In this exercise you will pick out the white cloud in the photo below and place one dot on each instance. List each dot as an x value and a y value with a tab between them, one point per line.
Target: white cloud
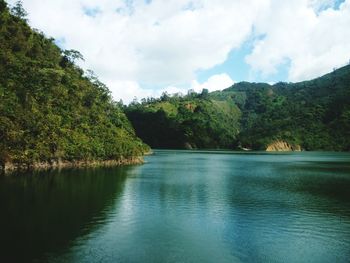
164	43
216	82
313	42
129	90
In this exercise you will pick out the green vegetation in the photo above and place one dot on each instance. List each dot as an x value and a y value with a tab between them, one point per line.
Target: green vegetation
193	121
50	110
313	114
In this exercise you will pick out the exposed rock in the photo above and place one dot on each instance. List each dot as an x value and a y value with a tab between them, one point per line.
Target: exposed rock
282	146
188	146
190	107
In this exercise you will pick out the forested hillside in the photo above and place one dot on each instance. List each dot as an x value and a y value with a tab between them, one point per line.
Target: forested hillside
50	110
194	121
314	115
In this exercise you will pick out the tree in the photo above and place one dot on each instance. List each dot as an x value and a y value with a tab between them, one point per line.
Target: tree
73	55
204	94
2	5
165	96
191	93
18	10
49	109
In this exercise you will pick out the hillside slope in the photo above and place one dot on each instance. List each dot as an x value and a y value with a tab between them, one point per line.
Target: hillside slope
314	114
311	115
50	111
190	122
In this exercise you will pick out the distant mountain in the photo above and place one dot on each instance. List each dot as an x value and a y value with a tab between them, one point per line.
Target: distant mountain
309	115
51	112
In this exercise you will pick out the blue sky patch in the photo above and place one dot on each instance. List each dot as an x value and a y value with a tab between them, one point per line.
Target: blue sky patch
236	67
61	42
92	12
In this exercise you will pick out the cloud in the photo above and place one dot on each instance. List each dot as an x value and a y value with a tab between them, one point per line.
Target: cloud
136	44
312	42
161	42
215	82
129	90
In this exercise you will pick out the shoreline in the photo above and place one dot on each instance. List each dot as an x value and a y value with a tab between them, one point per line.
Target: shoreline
9	168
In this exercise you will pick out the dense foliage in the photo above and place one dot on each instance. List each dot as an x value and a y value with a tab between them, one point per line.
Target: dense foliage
193	121
49	108
313	114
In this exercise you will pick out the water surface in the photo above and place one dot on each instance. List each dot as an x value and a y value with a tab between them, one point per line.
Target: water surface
183	206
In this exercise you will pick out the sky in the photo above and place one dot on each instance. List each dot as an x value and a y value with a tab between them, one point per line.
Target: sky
142	48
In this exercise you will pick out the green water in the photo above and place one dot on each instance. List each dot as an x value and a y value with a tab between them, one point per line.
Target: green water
183	206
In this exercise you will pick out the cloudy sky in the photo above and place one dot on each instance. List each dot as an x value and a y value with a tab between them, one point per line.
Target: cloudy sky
141	48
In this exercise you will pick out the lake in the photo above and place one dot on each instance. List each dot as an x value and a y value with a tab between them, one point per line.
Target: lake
183	206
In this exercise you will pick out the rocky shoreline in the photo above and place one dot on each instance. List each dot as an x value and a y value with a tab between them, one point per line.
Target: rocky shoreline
9	167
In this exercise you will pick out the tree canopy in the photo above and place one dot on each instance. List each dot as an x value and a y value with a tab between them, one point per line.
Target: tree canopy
49	108
313	114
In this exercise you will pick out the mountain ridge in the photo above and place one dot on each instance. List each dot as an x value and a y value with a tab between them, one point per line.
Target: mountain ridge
313	114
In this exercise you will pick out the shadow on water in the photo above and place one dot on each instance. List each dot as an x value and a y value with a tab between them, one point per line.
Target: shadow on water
302	202
262	173
321	179
43	213
322	186
329	179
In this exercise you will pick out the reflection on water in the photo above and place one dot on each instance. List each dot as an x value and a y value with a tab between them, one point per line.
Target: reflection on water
184	206
44	213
